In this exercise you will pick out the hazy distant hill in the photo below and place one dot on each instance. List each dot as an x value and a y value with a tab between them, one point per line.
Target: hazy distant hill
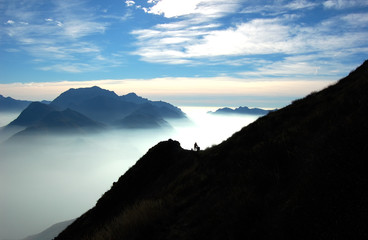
146	116
141	120
296	173
241	110
60	122
51	232
8	104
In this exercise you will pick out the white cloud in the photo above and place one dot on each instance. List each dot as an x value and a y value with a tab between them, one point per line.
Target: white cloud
309	67
183	40
77	28
12	50
278	7
256	37
356	19
129	3
300	4
341	4
60	24
205	8
10	22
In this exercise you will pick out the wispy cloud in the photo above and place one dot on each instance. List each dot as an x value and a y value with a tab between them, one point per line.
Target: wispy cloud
302	67
282	28
58	34
204	8
277	7
341	4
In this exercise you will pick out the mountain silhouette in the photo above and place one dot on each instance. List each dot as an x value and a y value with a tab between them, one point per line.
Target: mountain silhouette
32	114
134	98
166	110
96	103
82	109
296	173
8	104
241	110
74	97
107	107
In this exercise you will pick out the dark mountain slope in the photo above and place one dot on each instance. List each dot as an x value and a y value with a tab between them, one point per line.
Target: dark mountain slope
33	113
67	119
94	102
297	173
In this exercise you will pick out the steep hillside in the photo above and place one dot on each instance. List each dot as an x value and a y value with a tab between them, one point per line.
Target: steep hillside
297	173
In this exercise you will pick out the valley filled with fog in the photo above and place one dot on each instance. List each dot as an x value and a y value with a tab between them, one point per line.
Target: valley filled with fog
45	180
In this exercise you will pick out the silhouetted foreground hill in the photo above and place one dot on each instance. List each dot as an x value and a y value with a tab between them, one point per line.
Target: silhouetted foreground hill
297	173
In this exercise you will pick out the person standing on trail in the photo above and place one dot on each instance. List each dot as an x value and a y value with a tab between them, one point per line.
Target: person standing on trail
196	147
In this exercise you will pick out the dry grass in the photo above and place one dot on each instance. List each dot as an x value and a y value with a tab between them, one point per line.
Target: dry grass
134	222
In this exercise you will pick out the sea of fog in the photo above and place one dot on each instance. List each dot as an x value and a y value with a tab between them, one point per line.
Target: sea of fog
50	180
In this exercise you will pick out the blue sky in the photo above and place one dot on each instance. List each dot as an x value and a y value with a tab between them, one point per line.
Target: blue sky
293	46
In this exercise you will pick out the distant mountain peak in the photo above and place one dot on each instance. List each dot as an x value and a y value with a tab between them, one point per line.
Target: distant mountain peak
134	98
75	96
132	94
33	113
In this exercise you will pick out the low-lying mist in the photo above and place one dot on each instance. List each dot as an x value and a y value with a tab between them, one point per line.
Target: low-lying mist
50	179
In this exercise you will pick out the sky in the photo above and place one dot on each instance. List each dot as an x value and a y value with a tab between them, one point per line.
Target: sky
192	52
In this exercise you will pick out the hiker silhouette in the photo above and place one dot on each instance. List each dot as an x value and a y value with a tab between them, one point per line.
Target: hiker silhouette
196	147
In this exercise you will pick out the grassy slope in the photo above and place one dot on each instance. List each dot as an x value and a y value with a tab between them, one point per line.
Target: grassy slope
297	173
